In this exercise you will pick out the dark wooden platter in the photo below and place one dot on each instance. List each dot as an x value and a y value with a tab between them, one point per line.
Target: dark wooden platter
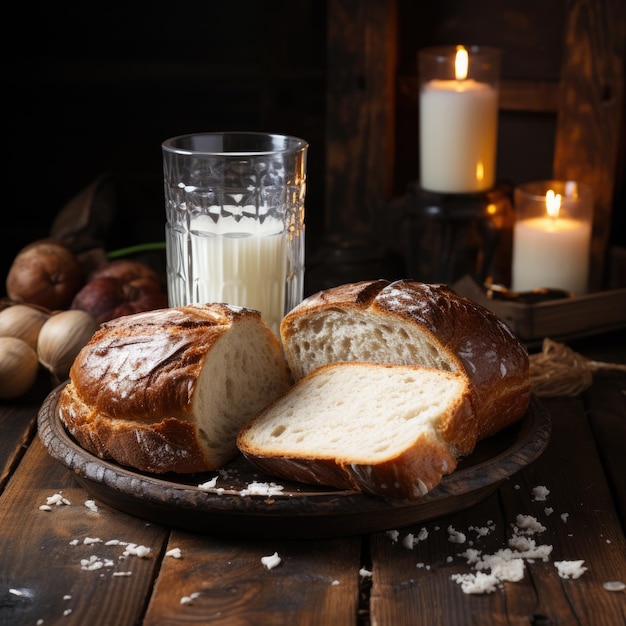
297	511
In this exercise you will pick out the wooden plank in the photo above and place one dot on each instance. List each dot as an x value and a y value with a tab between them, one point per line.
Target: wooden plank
589	126
224	580
360	114
41	576
18	423
405	581
606	402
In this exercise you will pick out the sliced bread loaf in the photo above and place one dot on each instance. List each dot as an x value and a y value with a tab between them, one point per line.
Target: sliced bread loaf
386	430
168	390
412	323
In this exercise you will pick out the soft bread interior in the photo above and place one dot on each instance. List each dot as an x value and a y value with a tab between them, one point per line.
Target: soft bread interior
354	413
242	373
334	335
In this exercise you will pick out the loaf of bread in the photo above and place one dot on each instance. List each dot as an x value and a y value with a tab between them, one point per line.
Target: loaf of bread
168	390
386	430
412	323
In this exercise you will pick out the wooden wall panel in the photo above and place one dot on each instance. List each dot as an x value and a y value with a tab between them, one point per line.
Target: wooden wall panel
360	113
589	130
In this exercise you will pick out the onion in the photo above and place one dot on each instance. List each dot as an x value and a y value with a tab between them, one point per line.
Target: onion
61	338
18	367
22	321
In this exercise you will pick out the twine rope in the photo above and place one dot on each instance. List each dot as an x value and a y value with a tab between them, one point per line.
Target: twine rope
559	371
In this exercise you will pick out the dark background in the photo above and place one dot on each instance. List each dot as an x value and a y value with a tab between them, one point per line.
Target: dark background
96	90
93	89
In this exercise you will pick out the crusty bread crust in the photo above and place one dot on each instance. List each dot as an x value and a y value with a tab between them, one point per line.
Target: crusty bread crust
406	477
461	335
135	389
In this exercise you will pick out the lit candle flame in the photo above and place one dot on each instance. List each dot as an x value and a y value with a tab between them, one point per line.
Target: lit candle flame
553	203
461	63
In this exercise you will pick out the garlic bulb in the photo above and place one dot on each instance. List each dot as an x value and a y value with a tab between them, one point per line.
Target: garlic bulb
61	339
18	367
22	321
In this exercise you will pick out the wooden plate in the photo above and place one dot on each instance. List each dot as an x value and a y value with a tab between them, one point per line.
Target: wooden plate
298	511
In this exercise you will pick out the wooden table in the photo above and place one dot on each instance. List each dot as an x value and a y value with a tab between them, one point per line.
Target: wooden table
66	565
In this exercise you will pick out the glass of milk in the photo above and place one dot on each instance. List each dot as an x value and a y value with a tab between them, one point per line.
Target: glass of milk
234	205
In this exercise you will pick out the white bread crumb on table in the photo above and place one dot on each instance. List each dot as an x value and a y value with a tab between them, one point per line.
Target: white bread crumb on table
190	598
57	499
570	569
174	553
614	585
540	493
91	505
271	561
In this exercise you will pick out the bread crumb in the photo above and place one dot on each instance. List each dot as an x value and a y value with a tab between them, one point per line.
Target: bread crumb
134	550
393	535
476	583
174	553
410	540
190	598
548	511
540	493
45	507
455	536
335	583
528	524
483	531
262	489
271	561
422	535
122	573
570	569
57	499
89	540
365	573
95	563
209	484
564	517
614	585
92	506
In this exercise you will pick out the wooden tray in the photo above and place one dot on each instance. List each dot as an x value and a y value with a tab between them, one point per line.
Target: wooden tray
560	319
299	511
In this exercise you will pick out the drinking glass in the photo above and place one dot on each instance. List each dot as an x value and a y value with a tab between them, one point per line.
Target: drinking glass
235	220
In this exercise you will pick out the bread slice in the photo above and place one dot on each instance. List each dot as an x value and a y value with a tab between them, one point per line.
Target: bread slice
390	431
411	323
168	390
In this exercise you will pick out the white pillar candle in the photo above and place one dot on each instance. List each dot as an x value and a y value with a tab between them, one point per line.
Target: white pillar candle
551	238
458	127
